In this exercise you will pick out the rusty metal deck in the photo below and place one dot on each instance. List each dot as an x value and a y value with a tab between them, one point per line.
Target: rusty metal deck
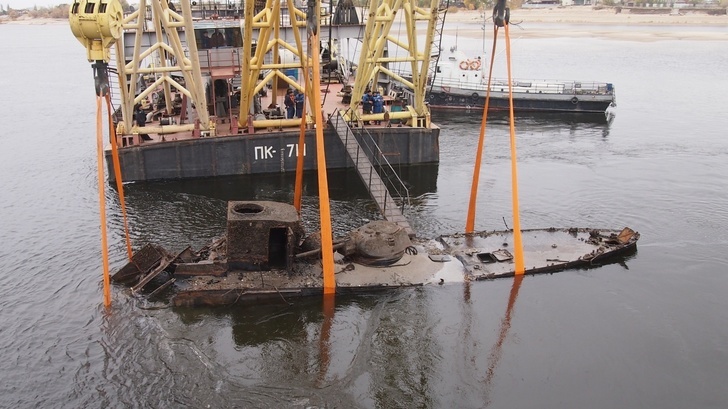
449	259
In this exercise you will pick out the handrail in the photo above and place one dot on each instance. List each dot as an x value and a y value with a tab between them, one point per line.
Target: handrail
220	57
567	87
377	158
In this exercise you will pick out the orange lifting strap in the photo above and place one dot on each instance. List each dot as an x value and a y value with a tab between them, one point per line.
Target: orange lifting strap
102	190
470	221
117	173
102	202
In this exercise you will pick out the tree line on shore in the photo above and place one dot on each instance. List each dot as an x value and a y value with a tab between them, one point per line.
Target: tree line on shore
60	11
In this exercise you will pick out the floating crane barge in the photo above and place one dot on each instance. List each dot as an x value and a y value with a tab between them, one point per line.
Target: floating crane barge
195	131
178	83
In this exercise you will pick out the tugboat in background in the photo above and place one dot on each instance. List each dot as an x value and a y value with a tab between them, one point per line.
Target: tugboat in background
460	82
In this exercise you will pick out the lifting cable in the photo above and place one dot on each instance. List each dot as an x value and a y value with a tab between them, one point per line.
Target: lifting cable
470	222
500	19
102	202
331	54
517	242
301	147
117	174
101	186
327	252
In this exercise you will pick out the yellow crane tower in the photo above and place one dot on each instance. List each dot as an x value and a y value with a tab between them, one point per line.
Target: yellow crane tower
377	37
167	39
267	22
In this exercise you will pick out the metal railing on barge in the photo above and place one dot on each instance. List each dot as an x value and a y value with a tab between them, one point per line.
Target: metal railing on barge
375	171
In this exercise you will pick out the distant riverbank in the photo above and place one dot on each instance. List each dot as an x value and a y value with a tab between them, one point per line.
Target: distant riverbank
581	21
589	15
25	20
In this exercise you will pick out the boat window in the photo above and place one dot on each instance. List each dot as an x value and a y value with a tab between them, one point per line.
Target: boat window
209	38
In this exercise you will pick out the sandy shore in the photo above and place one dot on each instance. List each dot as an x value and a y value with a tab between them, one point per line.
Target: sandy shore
582	21
588	15
585	21
33	21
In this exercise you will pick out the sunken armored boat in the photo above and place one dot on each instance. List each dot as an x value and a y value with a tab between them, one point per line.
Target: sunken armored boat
265	256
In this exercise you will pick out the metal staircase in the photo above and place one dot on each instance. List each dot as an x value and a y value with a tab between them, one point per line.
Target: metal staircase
360	151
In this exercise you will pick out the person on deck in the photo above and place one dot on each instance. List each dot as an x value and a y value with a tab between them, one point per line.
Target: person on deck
366	104
140	117
205	40
378	103
290	104
299	99
398	106
218	39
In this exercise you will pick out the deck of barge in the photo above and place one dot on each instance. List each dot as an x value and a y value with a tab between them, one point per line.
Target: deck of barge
270	150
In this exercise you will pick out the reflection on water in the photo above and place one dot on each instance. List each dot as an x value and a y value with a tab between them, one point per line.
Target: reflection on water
358	350
329	310
344	184
527	119
193	211
497	350
650	336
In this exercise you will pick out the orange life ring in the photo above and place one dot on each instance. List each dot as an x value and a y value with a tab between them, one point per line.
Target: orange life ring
464	65
475	65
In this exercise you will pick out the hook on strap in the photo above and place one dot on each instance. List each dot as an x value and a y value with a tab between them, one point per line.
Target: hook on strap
501	13
101	77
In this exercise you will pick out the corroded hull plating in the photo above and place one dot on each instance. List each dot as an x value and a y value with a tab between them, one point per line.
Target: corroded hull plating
206	278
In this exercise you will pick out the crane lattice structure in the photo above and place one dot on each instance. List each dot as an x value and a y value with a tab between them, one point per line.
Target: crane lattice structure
373	61
173	49
169	55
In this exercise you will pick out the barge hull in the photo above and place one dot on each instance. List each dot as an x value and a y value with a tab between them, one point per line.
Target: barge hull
521	103
265	152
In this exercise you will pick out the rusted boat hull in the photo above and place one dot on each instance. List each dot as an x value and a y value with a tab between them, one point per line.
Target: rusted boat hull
208	278
488	255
